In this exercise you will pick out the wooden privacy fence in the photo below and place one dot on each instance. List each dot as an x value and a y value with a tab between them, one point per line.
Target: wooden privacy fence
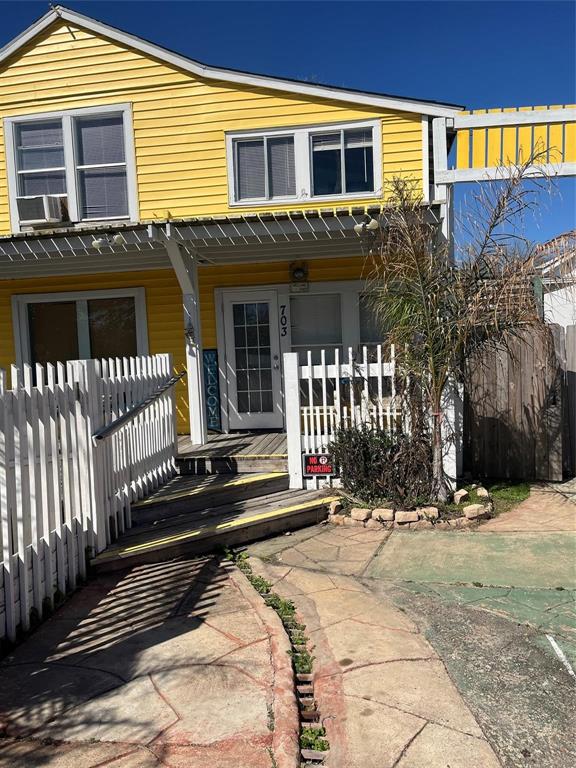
515	411
323	397
78	444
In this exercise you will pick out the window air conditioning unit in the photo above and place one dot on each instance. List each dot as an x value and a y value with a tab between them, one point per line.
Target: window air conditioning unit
40	209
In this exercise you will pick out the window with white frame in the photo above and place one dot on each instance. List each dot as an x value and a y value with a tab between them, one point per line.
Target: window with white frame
265	168
304	163
83	156
59	327
342	162
316	324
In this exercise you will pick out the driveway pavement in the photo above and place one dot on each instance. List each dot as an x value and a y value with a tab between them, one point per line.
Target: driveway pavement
433	648
177	664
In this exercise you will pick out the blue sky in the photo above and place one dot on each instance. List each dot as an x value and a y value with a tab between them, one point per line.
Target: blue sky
479	54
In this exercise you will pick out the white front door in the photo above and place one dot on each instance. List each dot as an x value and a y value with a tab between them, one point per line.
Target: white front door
253	370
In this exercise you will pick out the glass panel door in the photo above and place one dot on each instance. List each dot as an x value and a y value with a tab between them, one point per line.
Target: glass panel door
53	332
253	360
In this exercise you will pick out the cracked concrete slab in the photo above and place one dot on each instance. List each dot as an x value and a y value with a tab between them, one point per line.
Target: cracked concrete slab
377	681
176	663
439	747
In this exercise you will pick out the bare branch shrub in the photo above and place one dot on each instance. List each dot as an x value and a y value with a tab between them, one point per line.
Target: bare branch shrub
441	313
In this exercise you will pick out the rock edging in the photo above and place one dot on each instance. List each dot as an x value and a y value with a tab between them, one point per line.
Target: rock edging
421	518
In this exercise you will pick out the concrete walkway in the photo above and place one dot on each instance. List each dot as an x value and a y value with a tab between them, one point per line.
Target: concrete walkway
177	664
547	509
382	690
432	648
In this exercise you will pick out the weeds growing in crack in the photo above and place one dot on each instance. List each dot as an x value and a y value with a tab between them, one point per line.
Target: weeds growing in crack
271	719
314	738
302	659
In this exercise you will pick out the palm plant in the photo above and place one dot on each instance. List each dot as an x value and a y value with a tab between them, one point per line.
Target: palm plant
441	311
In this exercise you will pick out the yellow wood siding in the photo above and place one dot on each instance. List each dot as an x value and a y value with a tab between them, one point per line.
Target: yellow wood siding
230	275
164	302
179	120
163	308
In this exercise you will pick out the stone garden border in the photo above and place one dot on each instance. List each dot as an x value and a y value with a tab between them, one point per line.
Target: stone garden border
421	518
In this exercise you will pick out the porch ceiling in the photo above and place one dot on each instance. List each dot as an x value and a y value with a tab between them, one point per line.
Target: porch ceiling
226	239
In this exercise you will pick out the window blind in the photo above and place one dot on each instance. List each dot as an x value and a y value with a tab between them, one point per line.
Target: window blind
281	174
40	158
103	193
100	140
250	169
102	182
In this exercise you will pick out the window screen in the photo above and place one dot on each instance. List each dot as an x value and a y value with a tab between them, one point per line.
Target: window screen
327	164
370	331
265	168
94	328
316	324
40	158
101	159
250	169
342	162
282	182
53	332
112	327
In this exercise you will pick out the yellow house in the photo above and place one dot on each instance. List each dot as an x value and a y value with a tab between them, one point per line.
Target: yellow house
150	203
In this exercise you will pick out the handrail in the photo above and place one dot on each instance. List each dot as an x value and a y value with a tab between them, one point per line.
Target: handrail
115	425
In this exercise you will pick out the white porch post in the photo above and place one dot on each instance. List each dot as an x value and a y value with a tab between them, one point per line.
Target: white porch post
452	432
293	425
186	270
443	192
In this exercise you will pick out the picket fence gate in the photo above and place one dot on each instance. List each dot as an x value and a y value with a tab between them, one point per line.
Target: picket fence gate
79	443
326	396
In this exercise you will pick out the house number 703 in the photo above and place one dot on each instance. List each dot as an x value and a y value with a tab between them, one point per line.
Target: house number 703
283	320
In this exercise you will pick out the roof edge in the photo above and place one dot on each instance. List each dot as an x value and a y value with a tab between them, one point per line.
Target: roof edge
397	103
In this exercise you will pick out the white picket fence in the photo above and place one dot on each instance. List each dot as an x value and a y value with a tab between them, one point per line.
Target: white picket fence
322	397
78	444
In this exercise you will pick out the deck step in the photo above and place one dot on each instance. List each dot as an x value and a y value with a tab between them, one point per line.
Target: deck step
191	493
215	526
234	464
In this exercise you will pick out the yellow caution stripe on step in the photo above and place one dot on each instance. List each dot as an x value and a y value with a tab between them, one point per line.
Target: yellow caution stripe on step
179	537
208	488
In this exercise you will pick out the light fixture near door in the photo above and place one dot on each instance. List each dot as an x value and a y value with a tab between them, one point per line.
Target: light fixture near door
298	276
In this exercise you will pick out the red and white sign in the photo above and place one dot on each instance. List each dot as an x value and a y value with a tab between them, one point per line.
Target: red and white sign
315	464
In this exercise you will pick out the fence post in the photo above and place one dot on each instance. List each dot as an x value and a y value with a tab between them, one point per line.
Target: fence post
87	376
293	423
452	430
5	515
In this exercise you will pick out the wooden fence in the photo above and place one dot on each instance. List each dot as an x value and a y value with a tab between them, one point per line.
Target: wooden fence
516	412
78	444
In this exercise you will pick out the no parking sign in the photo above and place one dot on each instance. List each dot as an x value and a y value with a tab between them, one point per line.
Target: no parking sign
315	464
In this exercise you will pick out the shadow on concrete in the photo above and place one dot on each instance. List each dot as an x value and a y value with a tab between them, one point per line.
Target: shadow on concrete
115	632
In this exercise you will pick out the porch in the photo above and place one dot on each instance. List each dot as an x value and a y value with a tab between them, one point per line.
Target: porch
239	445
192	288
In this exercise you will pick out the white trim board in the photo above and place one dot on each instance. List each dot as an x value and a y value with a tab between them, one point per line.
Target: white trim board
218	73
21	328
448	176
528	117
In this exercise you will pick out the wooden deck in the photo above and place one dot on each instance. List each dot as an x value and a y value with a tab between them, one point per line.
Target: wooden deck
247	445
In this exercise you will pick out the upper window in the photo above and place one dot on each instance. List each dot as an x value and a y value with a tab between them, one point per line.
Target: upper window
342	162
265	168
80	156
304	163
